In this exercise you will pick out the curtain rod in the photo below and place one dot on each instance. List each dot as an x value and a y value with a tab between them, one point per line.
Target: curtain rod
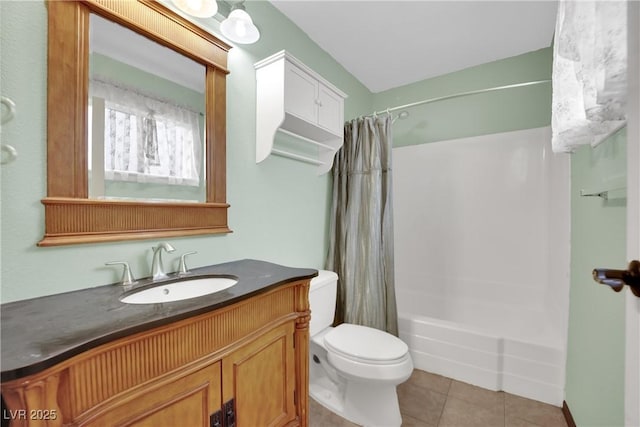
457	95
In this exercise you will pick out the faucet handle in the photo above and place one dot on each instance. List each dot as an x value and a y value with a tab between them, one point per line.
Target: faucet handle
127	278
182	269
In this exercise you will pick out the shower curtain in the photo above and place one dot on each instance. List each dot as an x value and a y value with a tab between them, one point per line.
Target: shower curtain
361	228
589	73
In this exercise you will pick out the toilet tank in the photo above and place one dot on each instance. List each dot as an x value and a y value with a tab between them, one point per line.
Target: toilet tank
322	300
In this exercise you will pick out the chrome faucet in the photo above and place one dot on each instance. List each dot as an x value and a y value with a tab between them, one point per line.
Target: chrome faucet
157	269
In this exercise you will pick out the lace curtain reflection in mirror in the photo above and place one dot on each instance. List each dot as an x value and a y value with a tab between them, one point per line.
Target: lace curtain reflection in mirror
145	119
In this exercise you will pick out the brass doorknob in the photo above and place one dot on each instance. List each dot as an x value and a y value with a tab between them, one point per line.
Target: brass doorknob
616	279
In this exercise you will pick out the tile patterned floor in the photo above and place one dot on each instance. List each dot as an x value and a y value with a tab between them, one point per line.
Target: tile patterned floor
428	400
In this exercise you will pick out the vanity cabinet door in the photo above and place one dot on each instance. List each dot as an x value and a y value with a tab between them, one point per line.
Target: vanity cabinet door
260	376
181	399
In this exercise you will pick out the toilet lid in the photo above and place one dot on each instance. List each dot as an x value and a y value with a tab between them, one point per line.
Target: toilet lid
364	343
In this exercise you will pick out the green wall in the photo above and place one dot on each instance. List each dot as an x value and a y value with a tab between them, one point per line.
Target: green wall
481	114
595	354
278	208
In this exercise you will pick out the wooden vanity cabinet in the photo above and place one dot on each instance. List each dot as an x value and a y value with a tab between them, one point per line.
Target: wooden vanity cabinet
183	399
260	377
242	365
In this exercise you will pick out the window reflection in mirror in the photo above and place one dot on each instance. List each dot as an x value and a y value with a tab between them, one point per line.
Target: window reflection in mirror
146	118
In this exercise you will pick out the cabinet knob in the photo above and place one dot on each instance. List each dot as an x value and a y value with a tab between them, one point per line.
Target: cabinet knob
616	279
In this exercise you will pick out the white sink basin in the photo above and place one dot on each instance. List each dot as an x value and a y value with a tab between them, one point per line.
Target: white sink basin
177	291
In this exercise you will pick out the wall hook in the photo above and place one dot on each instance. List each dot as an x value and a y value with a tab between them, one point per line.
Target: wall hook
10	110
9	154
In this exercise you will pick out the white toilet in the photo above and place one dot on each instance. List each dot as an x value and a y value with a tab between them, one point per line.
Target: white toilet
353	370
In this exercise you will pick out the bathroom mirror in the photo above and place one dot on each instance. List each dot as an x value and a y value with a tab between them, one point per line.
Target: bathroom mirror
145	119
71	215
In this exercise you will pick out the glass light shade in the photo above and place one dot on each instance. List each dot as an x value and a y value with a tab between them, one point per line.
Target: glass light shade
197	8
239	28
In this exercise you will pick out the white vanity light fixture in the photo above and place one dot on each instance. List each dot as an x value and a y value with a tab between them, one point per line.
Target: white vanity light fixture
197	8
238	27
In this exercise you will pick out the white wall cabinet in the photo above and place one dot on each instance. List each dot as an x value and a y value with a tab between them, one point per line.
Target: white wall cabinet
298	113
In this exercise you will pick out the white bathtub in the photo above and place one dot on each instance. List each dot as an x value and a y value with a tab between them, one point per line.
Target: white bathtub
482	260
488	345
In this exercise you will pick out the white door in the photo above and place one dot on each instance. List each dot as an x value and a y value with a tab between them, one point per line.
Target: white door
632	356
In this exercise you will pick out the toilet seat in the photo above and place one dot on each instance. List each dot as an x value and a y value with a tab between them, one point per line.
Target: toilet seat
365	345
367	354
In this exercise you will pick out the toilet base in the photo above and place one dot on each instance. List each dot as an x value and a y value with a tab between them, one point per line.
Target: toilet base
365	406
364	403
326	392
372	406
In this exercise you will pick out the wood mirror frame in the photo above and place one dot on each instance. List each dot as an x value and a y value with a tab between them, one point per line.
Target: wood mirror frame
70	216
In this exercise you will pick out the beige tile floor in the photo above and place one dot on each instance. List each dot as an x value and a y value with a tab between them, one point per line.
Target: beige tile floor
428	400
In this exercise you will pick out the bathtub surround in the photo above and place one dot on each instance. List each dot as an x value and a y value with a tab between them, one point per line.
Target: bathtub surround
482	255
361	231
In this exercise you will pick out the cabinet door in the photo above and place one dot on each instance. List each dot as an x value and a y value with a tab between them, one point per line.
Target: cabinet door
180	400
331	110
261	378
300	93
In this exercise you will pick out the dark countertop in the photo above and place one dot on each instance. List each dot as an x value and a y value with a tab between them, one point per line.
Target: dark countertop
41	332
